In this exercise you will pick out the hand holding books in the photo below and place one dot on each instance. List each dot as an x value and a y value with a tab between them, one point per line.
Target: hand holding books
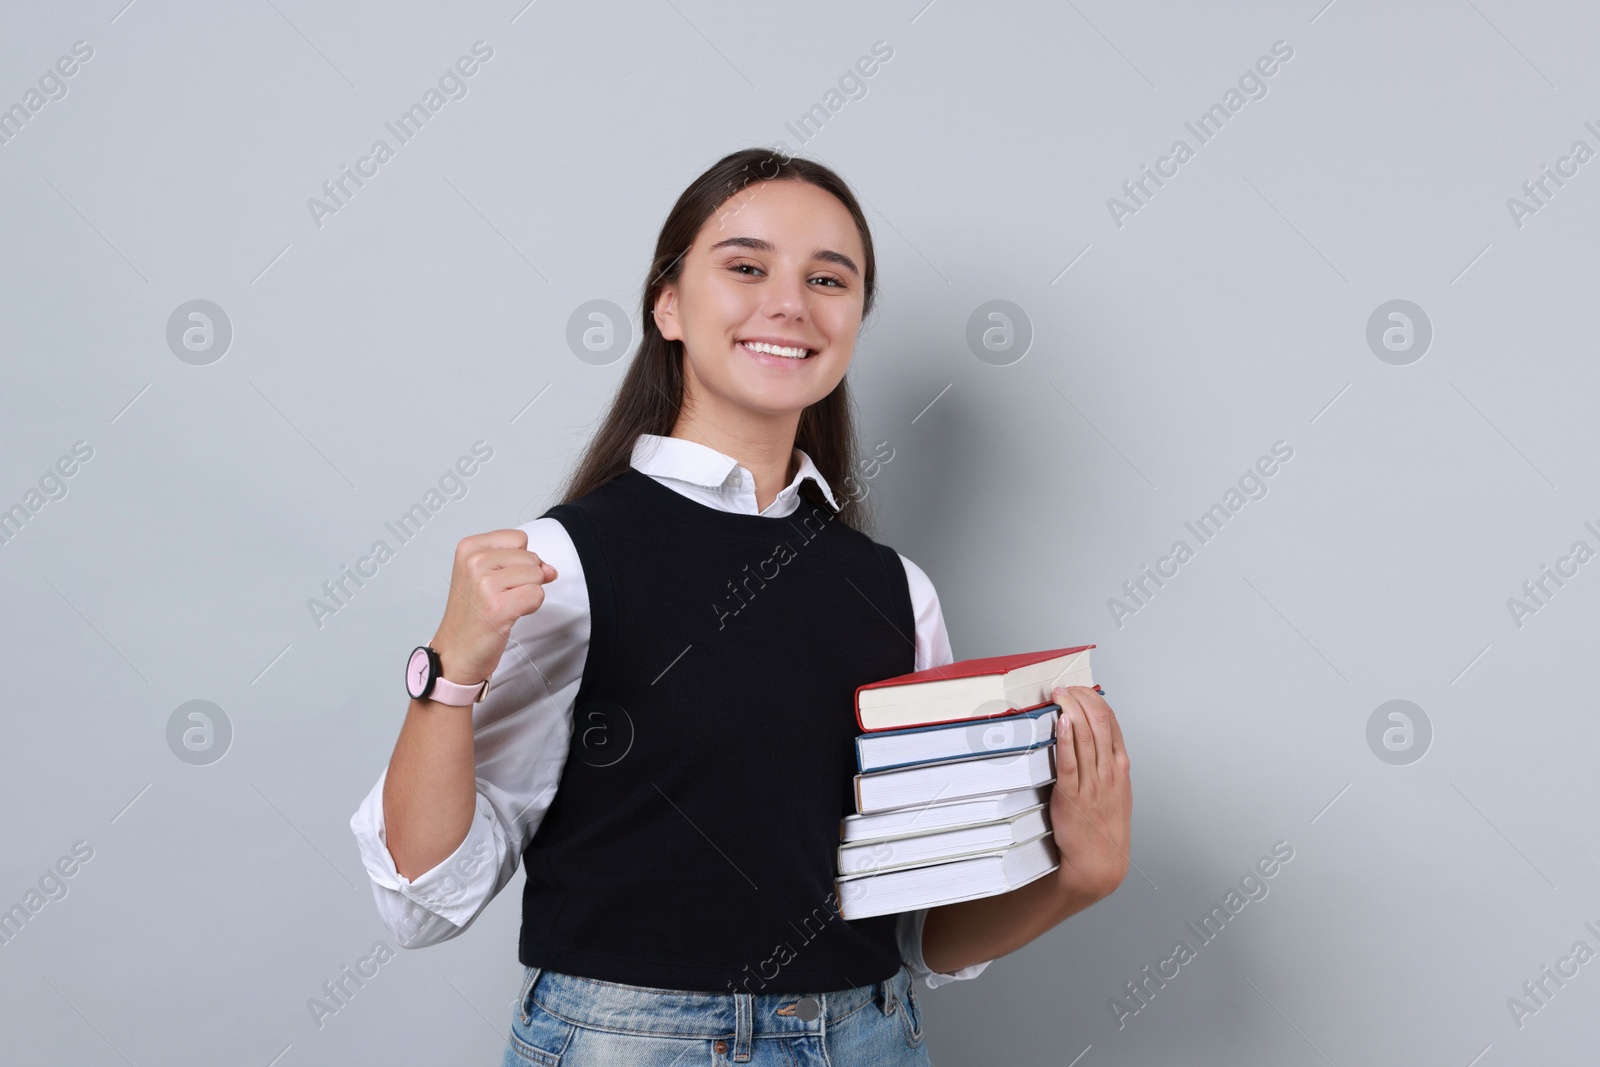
1091	803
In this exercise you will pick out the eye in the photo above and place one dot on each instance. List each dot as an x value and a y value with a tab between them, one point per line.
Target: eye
833	283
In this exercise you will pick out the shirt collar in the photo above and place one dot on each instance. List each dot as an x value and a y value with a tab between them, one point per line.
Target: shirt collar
691	461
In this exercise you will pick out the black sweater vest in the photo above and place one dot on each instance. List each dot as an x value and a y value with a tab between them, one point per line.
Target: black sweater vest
691	844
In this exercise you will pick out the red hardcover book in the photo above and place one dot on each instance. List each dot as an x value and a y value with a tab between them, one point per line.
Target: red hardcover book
970	688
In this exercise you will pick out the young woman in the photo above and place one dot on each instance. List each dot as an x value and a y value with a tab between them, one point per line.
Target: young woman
666	739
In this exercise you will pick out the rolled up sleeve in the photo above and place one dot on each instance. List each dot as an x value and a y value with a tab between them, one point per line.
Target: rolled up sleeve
909	934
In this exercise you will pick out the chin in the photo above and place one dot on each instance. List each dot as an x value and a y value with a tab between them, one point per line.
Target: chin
773	398
776	405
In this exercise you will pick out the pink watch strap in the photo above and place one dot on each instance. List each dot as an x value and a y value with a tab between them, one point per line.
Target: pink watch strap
448	692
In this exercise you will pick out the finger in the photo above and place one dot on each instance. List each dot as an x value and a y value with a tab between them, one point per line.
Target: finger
1081	741
1097	704
1072	704
1066	757
495	558
1119	747
1098	712
511	577
494	539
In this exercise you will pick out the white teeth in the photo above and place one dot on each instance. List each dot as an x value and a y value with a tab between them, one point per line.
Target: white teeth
776	350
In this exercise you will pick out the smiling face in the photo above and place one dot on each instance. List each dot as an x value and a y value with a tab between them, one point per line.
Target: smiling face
777	267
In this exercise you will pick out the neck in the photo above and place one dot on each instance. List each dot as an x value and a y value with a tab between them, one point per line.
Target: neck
762	444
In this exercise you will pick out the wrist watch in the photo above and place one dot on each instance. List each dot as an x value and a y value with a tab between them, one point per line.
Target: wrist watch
424	681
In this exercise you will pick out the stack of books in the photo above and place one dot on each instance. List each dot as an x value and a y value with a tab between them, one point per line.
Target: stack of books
953	796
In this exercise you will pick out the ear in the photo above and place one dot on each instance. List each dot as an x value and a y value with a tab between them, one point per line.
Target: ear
666	314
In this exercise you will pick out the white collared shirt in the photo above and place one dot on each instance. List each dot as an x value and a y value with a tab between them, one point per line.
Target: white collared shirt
522	729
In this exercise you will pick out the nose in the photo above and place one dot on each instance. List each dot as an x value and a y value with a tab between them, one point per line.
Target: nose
785	295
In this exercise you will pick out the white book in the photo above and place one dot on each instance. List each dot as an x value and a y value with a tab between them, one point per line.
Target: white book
986	736
948	779
908	889
922	849
941	815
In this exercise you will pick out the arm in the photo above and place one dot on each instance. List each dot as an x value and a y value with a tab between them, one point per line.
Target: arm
1091	807
956	935
428	792
515	743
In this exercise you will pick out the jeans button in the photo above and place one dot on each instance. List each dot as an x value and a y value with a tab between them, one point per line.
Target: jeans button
722	1046
807	1008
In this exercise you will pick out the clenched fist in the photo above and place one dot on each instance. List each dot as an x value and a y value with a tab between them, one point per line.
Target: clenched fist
495	582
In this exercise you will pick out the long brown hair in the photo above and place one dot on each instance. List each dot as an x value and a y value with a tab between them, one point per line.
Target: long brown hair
651	394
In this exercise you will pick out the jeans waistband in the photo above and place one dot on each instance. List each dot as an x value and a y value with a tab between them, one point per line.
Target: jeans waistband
739	1017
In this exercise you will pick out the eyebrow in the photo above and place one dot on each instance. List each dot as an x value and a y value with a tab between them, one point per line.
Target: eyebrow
760	245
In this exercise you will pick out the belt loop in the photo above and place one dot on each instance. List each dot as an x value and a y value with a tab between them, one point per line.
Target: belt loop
744	1013
530	978
884	995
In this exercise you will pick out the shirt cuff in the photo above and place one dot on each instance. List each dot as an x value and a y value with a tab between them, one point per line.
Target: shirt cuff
458	886
909	933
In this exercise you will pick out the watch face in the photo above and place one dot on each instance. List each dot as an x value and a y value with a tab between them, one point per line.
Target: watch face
417	673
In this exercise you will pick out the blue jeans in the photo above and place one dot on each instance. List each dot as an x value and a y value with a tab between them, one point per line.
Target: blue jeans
562	1020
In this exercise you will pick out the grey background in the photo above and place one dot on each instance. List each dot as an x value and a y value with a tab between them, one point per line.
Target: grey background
1228	314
